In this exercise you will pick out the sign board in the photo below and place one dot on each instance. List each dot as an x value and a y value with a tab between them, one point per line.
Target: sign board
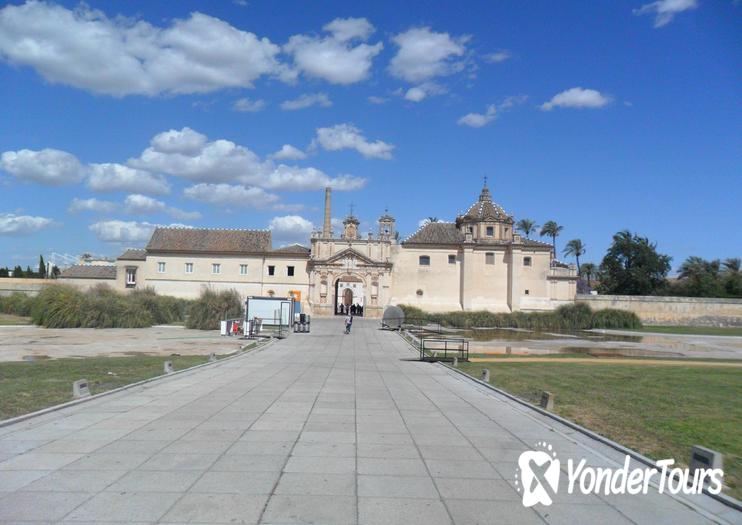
271	310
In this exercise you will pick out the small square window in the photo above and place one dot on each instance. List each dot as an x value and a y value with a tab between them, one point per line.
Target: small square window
271	270
216	268
188	267
290	271
528	292
160	267
489	258
527	261
490	231
451	259
243	269
425	260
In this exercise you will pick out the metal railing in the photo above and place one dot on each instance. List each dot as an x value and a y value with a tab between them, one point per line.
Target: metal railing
444	348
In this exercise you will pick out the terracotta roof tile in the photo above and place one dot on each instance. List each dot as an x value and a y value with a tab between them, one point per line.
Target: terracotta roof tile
133	254
89	271
205	240
436	233
293	248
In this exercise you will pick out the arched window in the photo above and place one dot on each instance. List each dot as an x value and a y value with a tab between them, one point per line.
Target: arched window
425	260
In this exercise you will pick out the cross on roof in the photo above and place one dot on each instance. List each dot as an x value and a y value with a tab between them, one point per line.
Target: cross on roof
351	209
485	180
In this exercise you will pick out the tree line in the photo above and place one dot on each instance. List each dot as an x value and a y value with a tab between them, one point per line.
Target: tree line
633	266
41	273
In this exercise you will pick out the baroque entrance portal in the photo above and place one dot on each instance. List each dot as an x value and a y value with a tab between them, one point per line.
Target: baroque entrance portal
349	295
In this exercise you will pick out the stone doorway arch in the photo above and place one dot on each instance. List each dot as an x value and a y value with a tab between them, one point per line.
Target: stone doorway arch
349	295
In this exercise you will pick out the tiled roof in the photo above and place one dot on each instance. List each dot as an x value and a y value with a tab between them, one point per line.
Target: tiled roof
195	240
133	254
89	271
436	233
293	249
536	244
485	209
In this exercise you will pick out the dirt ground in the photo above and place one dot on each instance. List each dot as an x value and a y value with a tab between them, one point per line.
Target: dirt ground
28	342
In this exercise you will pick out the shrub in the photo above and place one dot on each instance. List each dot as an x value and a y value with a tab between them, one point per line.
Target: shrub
163	309
16	304
211	307
615	319
59	306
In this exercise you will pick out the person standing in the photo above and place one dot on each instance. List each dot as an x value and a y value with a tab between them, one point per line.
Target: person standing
348	322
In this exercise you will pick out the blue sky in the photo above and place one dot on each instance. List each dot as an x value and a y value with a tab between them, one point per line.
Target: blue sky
118	116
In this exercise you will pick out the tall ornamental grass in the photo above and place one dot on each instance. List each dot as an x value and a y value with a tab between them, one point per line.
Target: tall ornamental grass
567	317
211	307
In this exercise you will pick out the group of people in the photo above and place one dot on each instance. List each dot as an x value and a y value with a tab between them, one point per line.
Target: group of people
352	309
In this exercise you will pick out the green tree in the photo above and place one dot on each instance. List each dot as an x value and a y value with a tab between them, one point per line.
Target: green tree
576	249
732	277
55	271
589	270
527	226
18	271
42	267
632	266
4	272
698	277
552	229
29	272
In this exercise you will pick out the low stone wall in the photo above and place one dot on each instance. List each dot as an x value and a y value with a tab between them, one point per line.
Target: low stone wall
691	311
10	285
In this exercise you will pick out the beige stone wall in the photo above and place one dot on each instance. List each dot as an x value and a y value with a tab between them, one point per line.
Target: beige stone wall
87	284
693	311
11	285
440	282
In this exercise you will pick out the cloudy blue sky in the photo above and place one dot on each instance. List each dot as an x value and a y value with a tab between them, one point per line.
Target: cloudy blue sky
118	116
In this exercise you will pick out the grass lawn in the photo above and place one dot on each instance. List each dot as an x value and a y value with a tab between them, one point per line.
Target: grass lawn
692	330
32	385
659	411
13	320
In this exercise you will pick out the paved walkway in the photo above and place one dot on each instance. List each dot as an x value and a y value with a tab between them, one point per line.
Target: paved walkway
318	428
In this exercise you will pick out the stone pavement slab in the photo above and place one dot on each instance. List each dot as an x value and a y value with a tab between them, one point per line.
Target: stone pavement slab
319	428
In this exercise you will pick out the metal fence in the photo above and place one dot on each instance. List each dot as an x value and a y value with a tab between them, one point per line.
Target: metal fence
443	348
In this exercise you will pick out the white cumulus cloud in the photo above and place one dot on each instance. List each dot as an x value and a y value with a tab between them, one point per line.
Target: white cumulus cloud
424	54
477	120
347	136
665	10
290	228
112	177
498	56
231	195
579	98
50	167
12	224
289	152
246	105
339	57
121	56
306	101
122	231
94	205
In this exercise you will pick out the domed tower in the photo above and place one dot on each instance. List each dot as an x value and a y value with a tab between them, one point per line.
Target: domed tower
486	221
387	226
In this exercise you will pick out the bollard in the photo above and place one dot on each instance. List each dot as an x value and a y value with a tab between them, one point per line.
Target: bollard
80	388
212	357
168	367
486	375
547	401
704	458
455	361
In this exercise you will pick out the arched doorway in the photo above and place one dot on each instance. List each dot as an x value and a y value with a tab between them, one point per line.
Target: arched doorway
349	295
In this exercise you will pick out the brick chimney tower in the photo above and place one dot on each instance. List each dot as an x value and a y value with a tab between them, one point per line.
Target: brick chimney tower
327	226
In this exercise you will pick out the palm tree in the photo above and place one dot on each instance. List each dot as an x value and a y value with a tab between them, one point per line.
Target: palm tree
432	219
576	248
527	226
552	229
732	266
589	270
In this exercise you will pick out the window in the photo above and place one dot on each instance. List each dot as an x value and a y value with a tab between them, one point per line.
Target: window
490	231
160	267
216	268
527	261
452	259
425	260
131	277
489	258
290	271
271	270
188	267
243	269
528	292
